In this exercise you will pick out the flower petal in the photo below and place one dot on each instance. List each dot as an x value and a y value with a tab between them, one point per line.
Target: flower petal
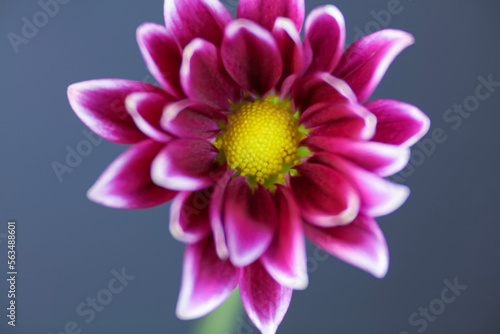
321	87
381	159
127	184
189	19
379	196
265	12
187	164
216	209
325	197
365	62
100	104
250	221
207	281
343	119
285	260
325	38
189	219
360	243
398	123
146	110
251	57
162	56
265	300
204	77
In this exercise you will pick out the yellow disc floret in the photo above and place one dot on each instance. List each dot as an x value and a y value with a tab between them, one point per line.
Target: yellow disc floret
261	140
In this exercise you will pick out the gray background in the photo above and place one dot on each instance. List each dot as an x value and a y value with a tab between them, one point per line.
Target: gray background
67	245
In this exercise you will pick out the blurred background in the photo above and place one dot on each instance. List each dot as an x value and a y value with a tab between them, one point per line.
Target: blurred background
70	249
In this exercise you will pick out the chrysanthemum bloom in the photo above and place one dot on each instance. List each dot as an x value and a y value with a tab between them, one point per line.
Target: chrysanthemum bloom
260	139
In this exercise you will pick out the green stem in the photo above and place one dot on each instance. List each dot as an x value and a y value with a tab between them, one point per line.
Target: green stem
224	319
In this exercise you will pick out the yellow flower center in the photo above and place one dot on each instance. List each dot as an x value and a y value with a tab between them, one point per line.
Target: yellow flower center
261	140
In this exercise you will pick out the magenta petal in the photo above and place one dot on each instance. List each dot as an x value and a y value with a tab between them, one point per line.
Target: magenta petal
325	37
204	77
321	87
250	221
265	300
100	104
381	159
207	281
189	19
325	197
344	119
162	56
365	62
146	110
360	243
266	12
379	196
285	260
189	219
251	57
127	184
398	123
216	209
187	164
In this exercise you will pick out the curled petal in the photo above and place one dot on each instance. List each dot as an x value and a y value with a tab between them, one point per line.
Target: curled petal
398	123
365	62
127	184
250	221
100	104
265	300
325	38
321	87
360	243
189	219
146	110
381	159
162	56
204	77
187	164
265	12
378	196
207	281
324	195
251	57
216	209
285	260
189	19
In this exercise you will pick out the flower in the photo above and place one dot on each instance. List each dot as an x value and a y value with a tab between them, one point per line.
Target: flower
260	139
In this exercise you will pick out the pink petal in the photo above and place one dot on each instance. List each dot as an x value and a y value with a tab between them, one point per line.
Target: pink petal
162	56
187	164
378	196
187	119
204	77
325	37
189	219
189	19
251	57
207	281
398	123
265	12
250	221
285	260
216	209
146	110
365	62
127	184
379	158
321	87
265	300
100	104
325	197
360	243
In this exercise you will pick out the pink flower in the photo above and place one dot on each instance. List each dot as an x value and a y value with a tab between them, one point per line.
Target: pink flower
260	139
